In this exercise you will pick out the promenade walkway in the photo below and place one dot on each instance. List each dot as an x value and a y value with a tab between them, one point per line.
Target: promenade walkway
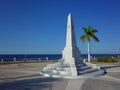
26	76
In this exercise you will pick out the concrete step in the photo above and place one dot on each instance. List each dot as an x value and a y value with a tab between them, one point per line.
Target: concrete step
64	72
67	69
54	71
59	68
96	73
80	65
83	68
87	71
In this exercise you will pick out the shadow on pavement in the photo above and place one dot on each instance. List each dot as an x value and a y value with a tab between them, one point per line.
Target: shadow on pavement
29	84
112	66
108	67
20	77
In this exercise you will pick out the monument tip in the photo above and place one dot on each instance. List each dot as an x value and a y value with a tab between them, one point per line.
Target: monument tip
70	14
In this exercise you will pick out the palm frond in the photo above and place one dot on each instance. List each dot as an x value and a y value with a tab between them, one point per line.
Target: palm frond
85	30
83	37
95	38
89	28
94	30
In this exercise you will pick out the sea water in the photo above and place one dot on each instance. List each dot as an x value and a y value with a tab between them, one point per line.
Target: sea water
19	57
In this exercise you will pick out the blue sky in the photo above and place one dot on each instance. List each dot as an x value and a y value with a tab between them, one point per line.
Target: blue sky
39	26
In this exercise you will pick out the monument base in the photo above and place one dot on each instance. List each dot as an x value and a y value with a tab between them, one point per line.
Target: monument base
60	70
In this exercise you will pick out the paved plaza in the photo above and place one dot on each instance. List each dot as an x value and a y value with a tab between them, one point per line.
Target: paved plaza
25	76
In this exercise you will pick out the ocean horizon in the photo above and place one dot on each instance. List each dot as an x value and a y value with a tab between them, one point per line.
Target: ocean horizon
20	57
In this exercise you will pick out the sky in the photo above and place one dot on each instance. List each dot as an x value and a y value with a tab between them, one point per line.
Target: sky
39	26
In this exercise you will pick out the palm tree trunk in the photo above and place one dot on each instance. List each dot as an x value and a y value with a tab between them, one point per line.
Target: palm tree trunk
88	51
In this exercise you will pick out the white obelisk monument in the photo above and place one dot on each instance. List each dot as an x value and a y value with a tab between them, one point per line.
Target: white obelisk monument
71	53
71	65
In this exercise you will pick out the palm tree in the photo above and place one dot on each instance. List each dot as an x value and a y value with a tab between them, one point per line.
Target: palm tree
89	33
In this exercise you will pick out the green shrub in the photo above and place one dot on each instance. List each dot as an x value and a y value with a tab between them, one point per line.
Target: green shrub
106	59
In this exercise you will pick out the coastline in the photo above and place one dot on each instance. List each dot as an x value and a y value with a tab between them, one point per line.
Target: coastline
23	57
27	61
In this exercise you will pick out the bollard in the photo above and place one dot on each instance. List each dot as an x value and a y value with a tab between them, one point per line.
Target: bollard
84	60
14	59
112	57
91	57
118	56
2	60
39	59
46	58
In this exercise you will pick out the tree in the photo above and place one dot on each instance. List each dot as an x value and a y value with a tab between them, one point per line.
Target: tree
89	33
